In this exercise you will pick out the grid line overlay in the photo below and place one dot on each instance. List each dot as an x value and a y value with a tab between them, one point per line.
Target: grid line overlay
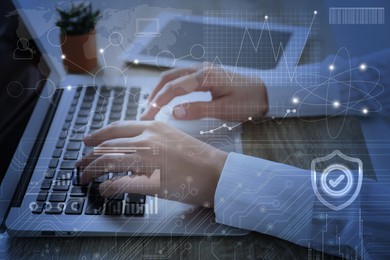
218	41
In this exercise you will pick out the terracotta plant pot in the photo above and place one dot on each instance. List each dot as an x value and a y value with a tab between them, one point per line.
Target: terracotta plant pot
80	52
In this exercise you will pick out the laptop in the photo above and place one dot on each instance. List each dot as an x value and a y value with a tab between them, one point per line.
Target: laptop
40	194
152	25
41	191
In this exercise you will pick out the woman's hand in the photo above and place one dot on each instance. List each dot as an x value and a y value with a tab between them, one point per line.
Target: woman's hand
234	97
166	162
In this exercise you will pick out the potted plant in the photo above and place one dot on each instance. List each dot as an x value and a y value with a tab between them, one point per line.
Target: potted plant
78	37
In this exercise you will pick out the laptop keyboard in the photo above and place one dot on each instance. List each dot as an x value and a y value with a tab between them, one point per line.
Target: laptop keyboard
61	191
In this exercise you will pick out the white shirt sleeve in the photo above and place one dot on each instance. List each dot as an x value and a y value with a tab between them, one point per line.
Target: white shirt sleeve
264	196
278	200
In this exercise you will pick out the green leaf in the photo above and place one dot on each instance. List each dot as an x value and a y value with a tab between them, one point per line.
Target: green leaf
79	19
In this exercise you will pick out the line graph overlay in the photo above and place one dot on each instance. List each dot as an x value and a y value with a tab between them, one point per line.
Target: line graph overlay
234	125
214	40
235	60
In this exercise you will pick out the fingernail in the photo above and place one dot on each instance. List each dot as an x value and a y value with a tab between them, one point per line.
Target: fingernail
179	112
104	188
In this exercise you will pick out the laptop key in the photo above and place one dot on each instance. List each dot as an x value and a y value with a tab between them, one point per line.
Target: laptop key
75	206
76	137
60	144
66	126
88	97
72	109
79	191
102	109
117	197
57	197
87	149
130	117
118	101
131	112
94	190
38	207
132	105
71	155
69	118
98	117
54	208
49	174
90	90
96	126
82	121
113	207
63	134
80	130
135	90
112	121
94	205
64	175
101	102
86	105
84	112
101	179
53	163
68	165
97	123
45	184
76	181
135	198
134	209
74	146
115	115
57	153
116	108
42	196
105	92
61	185
77	94
119	90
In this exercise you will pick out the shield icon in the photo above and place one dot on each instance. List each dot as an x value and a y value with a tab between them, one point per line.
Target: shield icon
324	186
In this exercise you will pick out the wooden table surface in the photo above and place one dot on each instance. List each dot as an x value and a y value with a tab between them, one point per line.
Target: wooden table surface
292	141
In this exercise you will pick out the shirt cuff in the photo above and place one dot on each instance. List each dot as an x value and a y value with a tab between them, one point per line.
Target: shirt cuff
266	197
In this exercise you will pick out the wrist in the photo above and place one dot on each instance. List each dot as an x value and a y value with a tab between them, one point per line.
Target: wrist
220	159
218	164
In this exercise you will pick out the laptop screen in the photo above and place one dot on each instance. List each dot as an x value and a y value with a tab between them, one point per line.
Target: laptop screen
256	49
16	111
21	84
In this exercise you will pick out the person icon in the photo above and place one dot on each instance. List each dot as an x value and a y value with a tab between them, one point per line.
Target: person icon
23	50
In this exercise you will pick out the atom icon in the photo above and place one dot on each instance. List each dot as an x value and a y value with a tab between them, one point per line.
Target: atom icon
356	93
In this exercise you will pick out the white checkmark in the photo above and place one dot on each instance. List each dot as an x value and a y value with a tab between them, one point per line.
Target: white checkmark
336	182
